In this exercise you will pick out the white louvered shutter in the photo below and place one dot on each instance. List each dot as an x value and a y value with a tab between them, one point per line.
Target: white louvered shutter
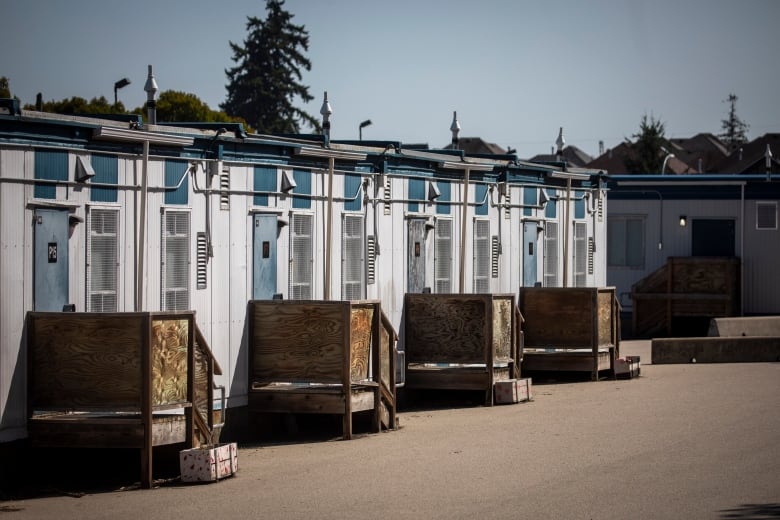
442	256
352	258
301	262
481	256
175	269
551	254
102	264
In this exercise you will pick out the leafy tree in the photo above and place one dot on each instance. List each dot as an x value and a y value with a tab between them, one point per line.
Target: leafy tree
5	88
79	105
178	106
267	77
734	129
646	152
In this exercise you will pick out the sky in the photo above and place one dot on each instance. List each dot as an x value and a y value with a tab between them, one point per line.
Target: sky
514	70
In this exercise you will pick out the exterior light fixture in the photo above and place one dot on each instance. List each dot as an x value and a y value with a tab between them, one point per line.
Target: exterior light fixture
683	221
362	126
122	83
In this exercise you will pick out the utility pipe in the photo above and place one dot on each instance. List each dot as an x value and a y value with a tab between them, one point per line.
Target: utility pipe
141	252
329	226
463	222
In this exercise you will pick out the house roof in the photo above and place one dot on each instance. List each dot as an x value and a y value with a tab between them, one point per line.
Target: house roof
571	154
750	157
613	161
702	152
477	145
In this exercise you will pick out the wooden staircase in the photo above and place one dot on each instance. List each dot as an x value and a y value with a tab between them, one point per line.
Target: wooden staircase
208	421
685	287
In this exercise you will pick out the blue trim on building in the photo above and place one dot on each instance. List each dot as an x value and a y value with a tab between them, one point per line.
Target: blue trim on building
302	180
416	191
264	180
442	203
530	197
106	172
174	171
53	166
480	191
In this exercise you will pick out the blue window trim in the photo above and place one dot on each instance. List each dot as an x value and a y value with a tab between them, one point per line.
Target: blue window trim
480	191
106	172
302	180
529	198
579	204
264	180
174	171
442	203
49	165
550	209
416	192
351	185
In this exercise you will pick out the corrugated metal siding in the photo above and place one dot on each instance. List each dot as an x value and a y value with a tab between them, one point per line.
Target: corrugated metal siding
16	287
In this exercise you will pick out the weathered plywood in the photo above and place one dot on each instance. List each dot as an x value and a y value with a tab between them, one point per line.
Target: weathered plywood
445	328
298	342
605	317
92	362
557	317
360	342
385	351
170	342
502	329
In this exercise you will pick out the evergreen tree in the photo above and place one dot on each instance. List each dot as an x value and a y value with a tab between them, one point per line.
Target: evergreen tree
266	79
646	152
5	88
734	129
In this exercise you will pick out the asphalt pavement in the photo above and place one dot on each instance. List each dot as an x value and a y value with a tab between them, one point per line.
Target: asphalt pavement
681	441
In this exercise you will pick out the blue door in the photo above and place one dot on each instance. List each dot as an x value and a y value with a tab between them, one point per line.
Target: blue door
264	272
530	253
51	260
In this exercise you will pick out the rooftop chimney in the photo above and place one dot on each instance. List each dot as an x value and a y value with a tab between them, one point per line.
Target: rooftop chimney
151	103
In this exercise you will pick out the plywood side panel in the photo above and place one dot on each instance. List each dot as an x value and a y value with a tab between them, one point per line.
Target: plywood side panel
445	328
93	362
298	342
360	342
170	340
502	329
557	318
606	319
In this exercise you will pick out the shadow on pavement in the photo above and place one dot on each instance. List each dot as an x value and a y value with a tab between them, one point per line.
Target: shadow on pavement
752	512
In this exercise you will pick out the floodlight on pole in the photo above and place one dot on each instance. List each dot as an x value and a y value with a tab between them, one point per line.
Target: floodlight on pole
122	83
362	126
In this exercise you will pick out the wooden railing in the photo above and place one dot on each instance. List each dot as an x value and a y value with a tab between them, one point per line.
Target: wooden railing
685	287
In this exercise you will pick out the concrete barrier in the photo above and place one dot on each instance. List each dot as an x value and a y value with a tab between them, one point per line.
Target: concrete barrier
745	326
715	350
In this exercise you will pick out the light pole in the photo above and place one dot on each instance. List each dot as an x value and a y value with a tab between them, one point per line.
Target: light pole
122	83
362	126
669	155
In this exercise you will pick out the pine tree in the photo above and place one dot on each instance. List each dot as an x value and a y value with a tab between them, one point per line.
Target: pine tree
646	152
734	129
267	77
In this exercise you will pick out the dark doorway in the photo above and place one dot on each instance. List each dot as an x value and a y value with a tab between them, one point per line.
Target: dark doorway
713	237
